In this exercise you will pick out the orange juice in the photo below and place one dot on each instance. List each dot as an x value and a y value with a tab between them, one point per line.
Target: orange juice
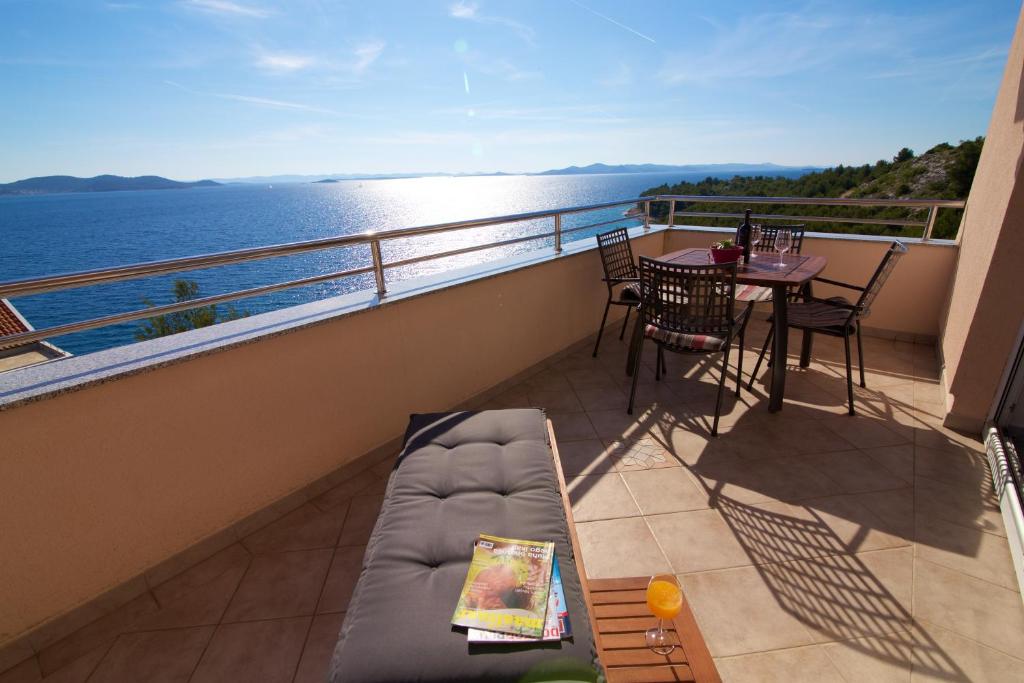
664	598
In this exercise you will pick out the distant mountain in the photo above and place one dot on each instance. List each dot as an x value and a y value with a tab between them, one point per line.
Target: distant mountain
102	183
712	169
337	177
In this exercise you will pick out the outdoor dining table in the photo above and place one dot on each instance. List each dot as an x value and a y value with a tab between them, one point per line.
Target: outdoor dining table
764	271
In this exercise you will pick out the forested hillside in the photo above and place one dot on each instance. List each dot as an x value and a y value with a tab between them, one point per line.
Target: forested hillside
943	172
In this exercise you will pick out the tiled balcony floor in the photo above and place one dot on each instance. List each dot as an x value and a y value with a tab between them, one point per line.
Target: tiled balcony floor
813	546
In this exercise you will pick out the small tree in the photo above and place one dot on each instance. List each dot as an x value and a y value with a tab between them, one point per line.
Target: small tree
181	321
905	154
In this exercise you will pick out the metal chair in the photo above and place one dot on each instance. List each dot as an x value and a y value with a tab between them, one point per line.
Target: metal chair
755	294
689	309
837	317
619	269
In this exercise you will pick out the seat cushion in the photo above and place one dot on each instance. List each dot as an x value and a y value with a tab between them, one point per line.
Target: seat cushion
682	340
819	315
753	293
459	475
631	292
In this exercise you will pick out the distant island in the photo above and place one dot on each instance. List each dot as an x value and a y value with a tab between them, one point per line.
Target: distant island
763	169
53	184
592	169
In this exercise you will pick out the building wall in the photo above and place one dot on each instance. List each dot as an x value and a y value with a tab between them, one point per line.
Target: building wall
100	484
986	304
911	303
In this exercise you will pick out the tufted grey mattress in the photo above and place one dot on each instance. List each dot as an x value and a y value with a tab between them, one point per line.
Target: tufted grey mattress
459	475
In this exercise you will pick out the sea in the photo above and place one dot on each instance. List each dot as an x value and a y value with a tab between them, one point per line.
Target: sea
62	233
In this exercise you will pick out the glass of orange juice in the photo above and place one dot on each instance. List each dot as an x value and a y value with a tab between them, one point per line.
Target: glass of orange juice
664	599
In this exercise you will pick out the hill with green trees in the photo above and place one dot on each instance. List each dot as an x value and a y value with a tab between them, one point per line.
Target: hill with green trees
943	172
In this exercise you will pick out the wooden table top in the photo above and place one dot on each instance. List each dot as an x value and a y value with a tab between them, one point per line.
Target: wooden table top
622	617
763	271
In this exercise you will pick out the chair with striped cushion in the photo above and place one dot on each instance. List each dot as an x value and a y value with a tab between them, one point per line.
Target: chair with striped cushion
755	294
619	269
837	317
700	321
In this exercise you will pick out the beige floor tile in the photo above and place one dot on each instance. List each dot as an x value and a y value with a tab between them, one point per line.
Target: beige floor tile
854	596
341	579
895	510
898	460
658	491
958	466
795	665
600	496
345	491
306	528
854	524
946	656
887	659
698	540
80	669
572	427
853	471
362	515
156	656
316	655
608	397
757	481
866	432
199	596
100	633
280	585
739	613
264	651
557	401
976	553
971	506
975	609
585	457
620	547
615	424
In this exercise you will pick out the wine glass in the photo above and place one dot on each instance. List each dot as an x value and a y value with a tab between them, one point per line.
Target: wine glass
665	600
756	234
783	241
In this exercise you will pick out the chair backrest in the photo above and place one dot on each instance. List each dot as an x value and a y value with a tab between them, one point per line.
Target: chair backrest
882	273
694	299
769	232
616	254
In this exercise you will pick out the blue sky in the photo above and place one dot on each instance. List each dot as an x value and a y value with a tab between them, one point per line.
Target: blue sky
224	88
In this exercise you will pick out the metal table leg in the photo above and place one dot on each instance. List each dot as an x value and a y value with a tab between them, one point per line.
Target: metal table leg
780	348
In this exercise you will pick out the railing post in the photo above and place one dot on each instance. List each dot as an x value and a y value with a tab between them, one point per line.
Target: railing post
378	268
671	212
932	212
558	233
647	215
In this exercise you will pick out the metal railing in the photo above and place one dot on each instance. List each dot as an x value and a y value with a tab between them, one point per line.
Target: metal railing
378	266
927	225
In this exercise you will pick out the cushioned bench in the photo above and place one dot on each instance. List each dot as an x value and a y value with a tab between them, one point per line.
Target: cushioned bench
459	475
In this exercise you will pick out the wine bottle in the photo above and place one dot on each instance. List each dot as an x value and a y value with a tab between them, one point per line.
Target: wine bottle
743	236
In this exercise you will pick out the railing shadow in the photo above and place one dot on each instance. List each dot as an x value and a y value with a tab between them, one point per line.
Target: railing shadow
813	576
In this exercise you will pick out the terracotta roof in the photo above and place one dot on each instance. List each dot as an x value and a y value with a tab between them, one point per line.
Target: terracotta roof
10	321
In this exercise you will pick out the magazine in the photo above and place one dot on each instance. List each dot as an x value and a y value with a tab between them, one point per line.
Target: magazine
507	586
556	625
